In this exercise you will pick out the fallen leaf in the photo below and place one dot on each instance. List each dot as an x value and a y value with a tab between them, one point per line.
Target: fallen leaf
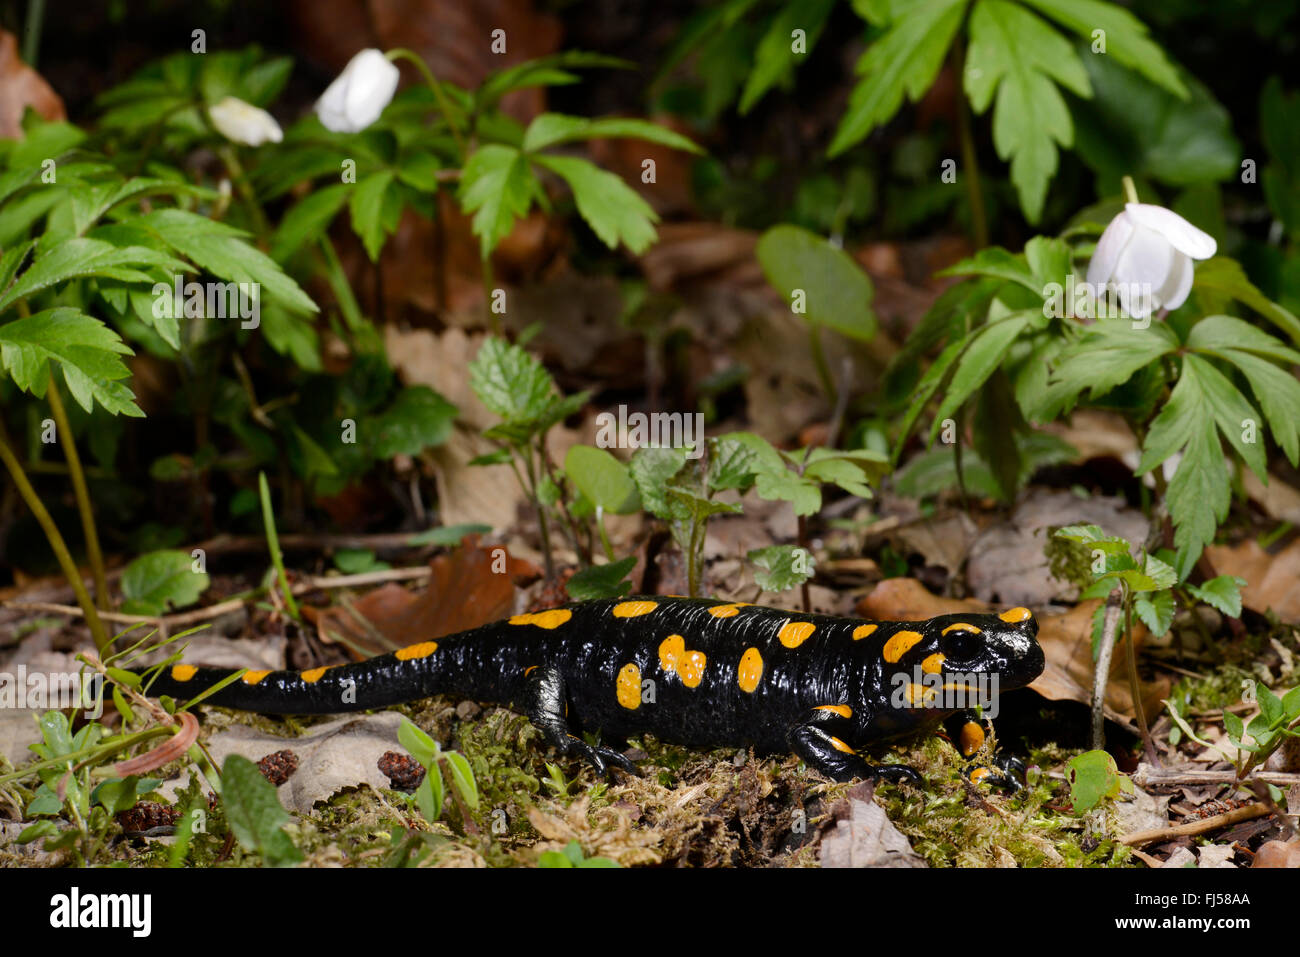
1270	579
21	87
865	837
1278	854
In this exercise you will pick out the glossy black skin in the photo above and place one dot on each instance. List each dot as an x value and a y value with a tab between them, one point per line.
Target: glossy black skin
564	679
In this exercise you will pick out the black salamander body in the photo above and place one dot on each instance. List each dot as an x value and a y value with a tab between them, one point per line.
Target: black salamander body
697	672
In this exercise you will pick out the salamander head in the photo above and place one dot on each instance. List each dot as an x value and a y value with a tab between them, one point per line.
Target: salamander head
1004	645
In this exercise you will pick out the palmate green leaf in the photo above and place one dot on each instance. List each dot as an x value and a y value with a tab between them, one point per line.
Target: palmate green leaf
160	579
978	361
926	388
1215	334
550	129
837	292
1126	37
615	212
1108	355
1230	409
1199	494
544	71
1225	276
307	219
367	208
1278	393
87	351
904	60
998	263
774	57
12	261
77	258
944	319
603	479
497	186
1020	56
225	252
510	382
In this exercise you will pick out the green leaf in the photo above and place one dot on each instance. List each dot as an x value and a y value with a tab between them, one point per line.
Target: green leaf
781	567
1156	610
462	779
224	251
75	258
367	209
601	581
651	470
417	743
120	794
1093	777
997	262
978	361
429	796
308	219
615	212
543	71
1223	593
510	382
156	580
1126	37
1236	730
254	813
1015	53
774	58
1215	334
1278	393
419	418
549	129
603	479
1108	355
447	534
355	561
904	60
1230	409
786	486
498	187
733	463
1226	277
87	352
837	292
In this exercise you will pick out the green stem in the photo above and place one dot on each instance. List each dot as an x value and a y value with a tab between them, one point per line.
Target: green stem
57	545
93	553
969	157
340	286
273	544
819	361
240	179
604	536
32	31
1130	191
401	53
1148	746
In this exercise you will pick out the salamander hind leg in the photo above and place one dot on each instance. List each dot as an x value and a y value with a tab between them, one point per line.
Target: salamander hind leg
817	744
968	734
545	706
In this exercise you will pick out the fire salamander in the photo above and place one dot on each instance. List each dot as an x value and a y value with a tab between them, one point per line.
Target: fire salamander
697	672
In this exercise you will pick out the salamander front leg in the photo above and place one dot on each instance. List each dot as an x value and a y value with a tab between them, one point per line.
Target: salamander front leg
545	706
968	733
818	745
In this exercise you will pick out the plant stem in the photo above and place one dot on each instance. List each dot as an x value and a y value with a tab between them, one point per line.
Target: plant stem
93	554
57	545
273	544
1130	190
401	53
969	158
1148	746
340	286
245	188
1110	625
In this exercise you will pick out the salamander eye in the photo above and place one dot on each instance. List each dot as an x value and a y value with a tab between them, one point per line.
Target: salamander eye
961	645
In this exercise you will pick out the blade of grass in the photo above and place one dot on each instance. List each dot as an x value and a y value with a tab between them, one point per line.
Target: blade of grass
273	543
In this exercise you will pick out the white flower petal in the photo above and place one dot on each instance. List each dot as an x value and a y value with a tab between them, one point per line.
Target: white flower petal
1181	234
1143	268
359	94
1179	284
242	122
1109	248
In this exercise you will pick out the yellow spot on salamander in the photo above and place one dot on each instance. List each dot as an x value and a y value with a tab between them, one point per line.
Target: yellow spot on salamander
634	609
528	669
979	774
674	658
253	677
971	738
628	687
843	710
864	631
1014	616
544	619
750	671
961	626
900	644
919	695
933	664
795	633
729	610
314	675
839	745
183	672
423	650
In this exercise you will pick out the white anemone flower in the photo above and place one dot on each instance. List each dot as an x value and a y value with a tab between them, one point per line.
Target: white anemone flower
244	123
1146	254
359	94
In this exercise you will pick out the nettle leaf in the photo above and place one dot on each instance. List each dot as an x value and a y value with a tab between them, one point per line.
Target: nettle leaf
1126	37
510	382
1223	593
498	187
550	129
1094	537
255	814
419	418
904	60
781	567
601	581
367	208
156	580
87	352
603	479
774	58
224	251
615	212
732	464
1020	56
652	469
1156	611
836	291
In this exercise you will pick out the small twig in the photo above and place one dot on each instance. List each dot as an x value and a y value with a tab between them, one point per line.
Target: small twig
1102	677
1154	777
1261	792
1247	813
